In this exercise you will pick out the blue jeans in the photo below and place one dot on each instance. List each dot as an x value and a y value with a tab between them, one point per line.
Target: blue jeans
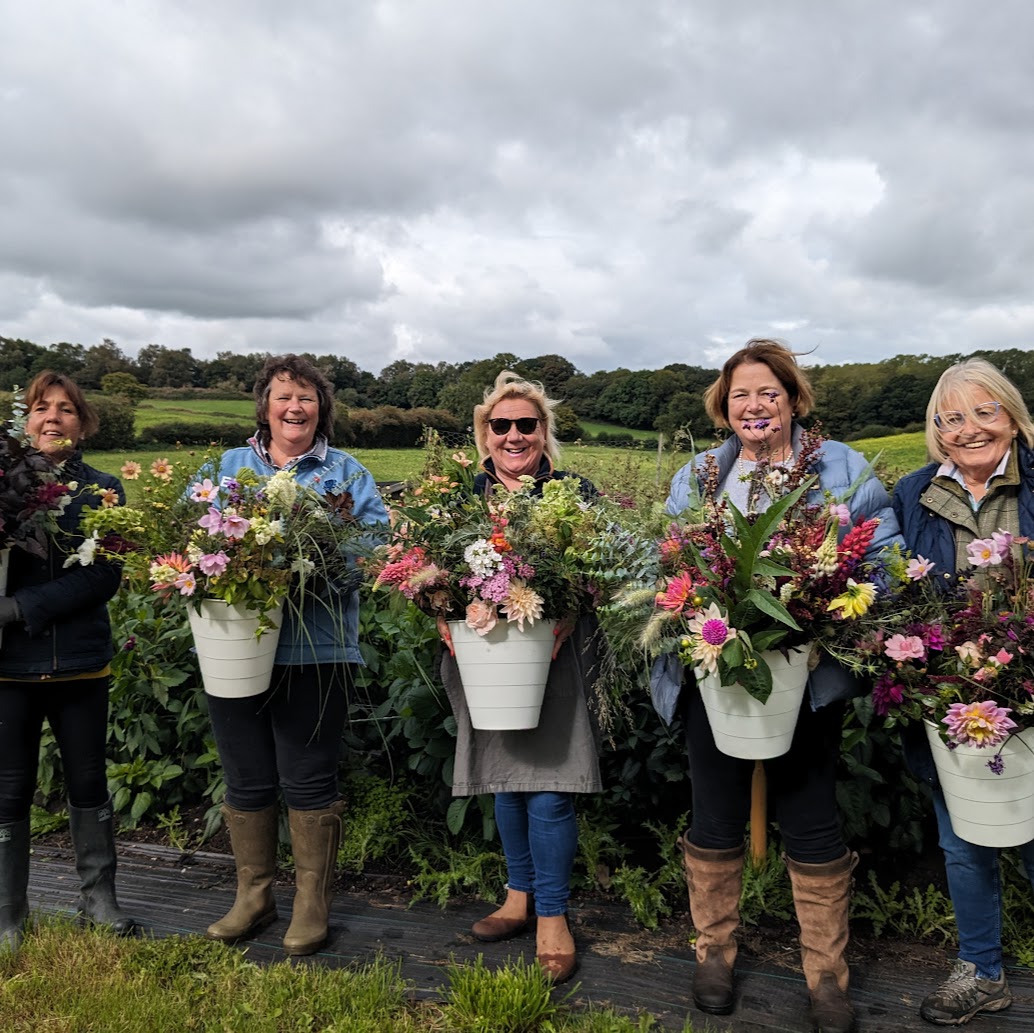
540	839
975	886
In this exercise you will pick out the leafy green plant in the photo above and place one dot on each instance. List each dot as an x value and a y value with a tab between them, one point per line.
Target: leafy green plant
140	783
376	820
919	914
516	998
444	871
766	889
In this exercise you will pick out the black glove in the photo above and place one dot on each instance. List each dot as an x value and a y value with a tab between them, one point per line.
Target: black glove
9	612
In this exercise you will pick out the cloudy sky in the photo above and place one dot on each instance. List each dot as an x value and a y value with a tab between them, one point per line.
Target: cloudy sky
624	182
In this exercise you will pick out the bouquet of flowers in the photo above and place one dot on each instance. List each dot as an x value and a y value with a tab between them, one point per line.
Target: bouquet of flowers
32	491
518	556
248	540
731	585
956	651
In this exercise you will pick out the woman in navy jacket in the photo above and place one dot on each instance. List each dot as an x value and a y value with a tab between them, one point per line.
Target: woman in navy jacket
980	436
54	664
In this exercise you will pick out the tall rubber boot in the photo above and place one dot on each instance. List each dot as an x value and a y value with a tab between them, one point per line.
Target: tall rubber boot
93	837
14	884
253	839
715	882
315	838
821	896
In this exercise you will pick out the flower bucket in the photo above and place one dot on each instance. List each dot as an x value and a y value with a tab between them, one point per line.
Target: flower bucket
234	662
5	559
743	727
504	672
985	808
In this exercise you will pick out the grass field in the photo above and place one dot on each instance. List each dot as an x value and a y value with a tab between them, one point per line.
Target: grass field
895	455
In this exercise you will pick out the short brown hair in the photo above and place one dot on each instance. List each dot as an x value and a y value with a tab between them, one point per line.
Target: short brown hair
512	385
89	422
783	364
294	367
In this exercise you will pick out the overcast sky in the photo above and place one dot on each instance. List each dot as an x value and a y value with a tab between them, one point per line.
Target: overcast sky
627	183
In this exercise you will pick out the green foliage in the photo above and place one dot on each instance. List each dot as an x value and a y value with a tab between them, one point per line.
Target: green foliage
377	812
125	385
192	432
880	801
516	998
116	423
914	914
766	888
43	822
443	871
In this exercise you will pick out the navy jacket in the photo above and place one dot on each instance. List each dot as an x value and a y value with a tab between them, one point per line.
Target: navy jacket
931	536
65	628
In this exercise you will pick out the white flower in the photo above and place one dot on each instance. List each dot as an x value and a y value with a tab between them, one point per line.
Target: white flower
303	567
282	489
85	554
482	559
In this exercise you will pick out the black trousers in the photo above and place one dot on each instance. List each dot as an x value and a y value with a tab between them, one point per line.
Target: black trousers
801	785
78	716
287	738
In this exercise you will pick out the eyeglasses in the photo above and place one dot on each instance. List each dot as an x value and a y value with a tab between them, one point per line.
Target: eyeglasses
952	419
524	425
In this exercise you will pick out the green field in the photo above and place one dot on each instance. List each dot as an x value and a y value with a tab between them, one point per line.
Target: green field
895	455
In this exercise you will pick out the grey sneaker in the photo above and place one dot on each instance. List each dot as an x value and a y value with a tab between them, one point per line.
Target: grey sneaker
962	995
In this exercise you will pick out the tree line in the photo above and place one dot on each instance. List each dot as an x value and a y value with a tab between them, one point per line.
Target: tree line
860	399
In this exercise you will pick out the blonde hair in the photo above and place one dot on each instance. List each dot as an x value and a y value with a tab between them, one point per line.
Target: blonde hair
958	382
511	385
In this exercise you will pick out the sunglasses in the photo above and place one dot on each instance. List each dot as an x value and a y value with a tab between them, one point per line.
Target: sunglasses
952	419
524	425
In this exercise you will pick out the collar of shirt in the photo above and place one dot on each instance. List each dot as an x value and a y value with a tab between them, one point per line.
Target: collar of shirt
951	470
317	452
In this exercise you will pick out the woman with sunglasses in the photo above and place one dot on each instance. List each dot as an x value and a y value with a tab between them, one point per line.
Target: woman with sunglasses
534	774
979	435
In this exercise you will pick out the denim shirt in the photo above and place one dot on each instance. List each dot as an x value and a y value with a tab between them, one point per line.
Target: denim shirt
327	630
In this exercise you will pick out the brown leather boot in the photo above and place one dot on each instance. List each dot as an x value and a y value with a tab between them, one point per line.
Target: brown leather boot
821	894
715	881
315	838
253	839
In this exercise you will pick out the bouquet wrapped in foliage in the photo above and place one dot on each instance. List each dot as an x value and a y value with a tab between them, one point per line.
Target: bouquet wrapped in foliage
732	586
515	556
956	651
248	541
32	490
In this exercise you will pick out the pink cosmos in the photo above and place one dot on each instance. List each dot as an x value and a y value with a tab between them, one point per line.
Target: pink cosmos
918	568
905	647
213	564
204	491
978	724
185	583
984	552
235	526
212	521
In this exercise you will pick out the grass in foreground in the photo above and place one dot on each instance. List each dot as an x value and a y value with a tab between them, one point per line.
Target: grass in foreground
70	980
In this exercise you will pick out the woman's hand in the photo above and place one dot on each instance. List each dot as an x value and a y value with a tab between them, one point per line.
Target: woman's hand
443	633
562	631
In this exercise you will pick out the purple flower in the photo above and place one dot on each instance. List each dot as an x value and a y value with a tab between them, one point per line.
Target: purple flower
213	563
212	521
129	644
996	764
886	693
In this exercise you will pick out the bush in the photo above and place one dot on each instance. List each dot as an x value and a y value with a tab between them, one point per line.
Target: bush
873	430
116	429
183	432
389	427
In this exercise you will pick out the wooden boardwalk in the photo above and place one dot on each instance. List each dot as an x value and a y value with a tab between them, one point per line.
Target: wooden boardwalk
622	966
